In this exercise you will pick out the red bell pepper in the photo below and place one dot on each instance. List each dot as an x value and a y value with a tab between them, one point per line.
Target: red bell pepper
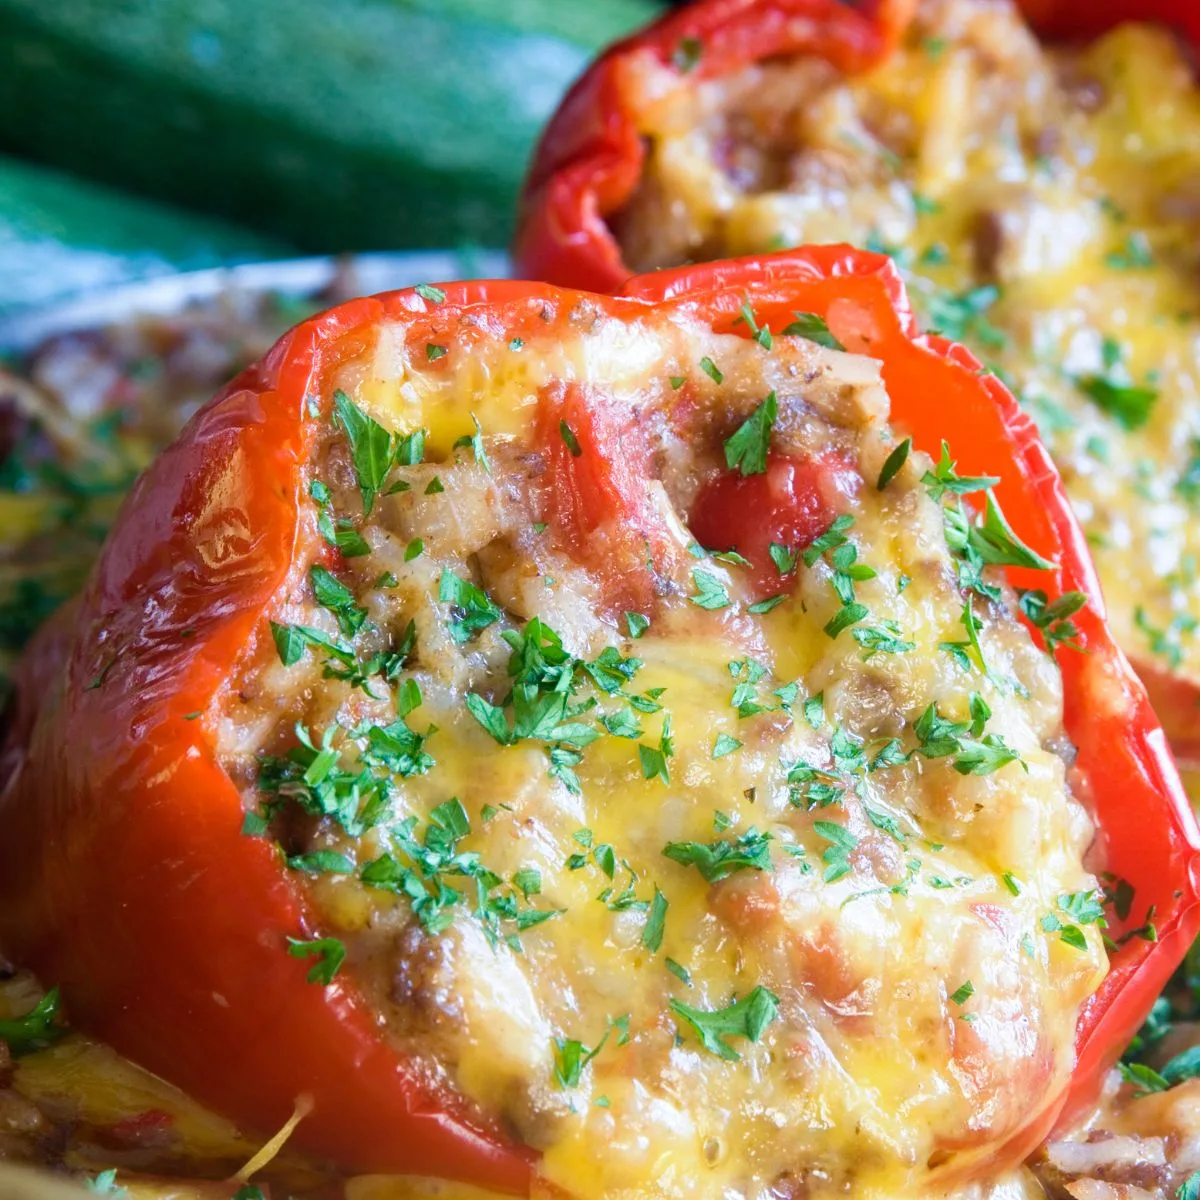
590	157
124	875
589	160
1068	19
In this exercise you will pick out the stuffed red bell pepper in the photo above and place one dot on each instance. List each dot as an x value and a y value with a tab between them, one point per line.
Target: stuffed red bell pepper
578	741
1041	197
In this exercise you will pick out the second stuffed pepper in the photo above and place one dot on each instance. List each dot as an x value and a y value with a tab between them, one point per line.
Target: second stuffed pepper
581	742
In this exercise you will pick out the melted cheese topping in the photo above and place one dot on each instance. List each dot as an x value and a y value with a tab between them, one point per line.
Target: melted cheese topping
731	923
1044	204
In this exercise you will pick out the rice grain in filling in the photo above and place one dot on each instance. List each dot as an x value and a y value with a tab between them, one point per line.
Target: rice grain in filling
702	877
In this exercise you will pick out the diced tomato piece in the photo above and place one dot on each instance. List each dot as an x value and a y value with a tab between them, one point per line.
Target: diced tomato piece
600	498
791	504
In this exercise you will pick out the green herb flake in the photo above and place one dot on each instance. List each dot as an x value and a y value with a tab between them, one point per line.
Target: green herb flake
837	855
723	857
656	919
472	610
1189	1189
37	1029
320	862
963	993
433	352
710	592
330	953
748	446
1126	403
636	623
813	328
1134	255
747	1018
725	745
893	464
335	596
569	438
679	971
427	291
711	369
370	447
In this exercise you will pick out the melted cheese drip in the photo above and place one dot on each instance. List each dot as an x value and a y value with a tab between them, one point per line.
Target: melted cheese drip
1068	180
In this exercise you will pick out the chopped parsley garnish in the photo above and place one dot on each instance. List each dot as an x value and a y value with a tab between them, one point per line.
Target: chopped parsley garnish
370	447
725	745
475	441
570	1058
335	596
748	446
894	463
37	1029
434	352
747	1018
711	369
1079	908
569	438
656	920
410	449
1135	255
963	317
837	855
687	54
1167	641
420	868
105	1184
312	777
636	623
291	641
1053	618
783	558
330	953
340	533
1127	403
945	478
653	759
760	333
710	592
972	753
472	610
977	542
428	292
963	993
321	862
814	328
723	857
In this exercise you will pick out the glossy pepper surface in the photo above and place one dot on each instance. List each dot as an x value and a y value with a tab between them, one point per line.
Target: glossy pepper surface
590	158
125	877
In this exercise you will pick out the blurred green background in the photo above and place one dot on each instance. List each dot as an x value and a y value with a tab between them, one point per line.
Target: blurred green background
144	136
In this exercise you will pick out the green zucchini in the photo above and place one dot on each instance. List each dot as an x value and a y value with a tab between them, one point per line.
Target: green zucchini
334	124
59	236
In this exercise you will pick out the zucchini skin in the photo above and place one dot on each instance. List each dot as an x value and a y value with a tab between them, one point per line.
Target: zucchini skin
332	124
60	236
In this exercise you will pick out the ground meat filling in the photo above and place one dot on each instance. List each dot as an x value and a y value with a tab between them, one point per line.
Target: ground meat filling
1044	204
732	863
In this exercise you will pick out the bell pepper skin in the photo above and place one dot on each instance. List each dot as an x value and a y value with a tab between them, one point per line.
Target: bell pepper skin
124	875
589	158
1072	19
